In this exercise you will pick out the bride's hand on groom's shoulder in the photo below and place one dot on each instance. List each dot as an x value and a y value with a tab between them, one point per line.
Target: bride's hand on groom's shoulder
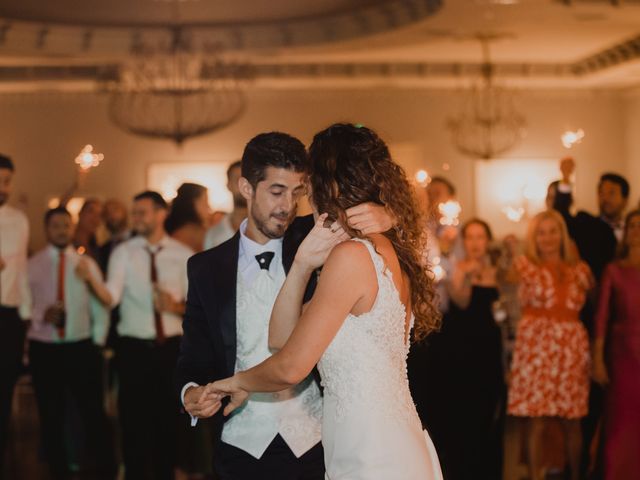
200	403
317	246
229	388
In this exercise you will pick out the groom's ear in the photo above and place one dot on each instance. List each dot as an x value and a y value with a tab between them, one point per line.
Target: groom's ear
246	190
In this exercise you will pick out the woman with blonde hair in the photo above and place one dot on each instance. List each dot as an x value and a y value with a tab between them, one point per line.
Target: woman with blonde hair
550	369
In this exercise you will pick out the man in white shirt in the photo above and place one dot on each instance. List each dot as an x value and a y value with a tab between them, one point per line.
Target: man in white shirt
232	289
228	226
69	326
147	277
15	302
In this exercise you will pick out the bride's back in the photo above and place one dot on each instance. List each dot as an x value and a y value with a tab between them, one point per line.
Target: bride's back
370	427
364	367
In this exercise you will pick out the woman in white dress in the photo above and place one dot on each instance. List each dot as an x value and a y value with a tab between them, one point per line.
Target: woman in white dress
373	291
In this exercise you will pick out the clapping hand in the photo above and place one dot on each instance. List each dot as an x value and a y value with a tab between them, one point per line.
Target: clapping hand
200	403
317	246
229	388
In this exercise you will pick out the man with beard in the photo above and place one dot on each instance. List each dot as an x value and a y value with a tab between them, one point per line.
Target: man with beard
596	240
69	325
15	301
232	289
228	226
147	278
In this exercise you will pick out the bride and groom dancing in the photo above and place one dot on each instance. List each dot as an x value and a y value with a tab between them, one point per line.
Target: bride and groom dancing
260	319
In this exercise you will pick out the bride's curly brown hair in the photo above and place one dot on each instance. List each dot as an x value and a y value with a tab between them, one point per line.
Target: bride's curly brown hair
351	165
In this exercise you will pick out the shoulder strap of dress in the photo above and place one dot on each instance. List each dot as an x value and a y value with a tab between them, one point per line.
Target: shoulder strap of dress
378	262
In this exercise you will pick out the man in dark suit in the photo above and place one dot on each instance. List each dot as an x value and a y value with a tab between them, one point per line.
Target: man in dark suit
232	289
596	239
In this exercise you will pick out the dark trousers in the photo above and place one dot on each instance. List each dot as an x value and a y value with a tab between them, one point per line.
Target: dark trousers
589	428
277	463
11	348
59	369
148	407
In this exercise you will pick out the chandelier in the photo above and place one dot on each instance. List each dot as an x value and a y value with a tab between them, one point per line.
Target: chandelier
488	124
176	92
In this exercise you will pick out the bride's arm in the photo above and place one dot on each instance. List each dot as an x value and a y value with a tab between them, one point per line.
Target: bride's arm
311	254
288	307
348	275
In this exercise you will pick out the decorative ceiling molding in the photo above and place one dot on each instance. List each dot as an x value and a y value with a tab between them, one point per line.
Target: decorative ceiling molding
23	37
616	55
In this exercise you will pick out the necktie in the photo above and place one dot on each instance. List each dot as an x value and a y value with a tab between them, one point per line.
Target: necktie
157	316
60	294
264	260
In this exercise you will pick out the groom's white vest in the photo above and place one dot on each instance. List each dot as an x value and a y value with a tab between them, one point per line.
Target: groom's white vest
296	413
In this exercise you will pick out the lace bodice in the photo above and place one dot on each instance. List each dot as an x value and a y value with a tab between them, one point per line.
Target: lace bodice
364	367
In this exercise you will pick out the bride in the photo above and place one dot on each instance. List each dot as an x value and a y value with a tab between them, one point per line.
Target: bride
374	294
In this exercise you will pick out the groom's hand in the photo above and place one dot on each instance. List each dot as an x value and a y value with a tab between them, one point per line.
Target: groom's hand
200	403
229	387
370	218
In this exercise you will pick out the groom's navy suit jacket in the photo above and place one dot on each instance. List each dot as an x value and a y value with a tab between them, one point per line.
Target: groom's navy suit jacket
208	348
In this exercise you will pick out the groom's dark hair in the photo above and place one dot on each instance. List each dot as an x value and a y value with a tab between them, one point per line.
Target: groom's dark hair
273	149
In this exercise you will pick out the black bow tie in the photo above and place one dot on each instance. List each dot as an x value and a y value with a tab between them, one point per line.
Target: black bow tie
264	259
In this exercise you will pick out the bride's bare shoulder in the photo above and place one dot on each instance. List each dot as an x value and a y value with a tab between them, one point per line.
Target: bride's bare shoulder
348	252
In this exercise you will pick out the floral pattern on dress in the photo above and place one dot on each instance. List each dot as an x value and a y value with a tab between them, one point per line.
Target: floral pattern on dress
550	369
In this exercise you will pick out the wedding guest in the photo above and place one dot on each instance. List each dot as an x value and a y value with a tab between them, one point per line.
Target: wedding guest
230	222
186	221
618	326
116	221
69	325
468	435
89	221
439	192
15	300
147	278
550	369
613	196
594	238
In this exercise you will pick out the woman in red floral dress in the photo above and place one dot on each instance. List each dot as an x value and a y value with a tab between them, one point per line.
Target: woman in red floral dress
550	369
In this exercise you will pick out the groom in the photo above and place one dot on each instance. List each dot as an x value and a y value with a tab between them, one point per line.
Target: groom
232	289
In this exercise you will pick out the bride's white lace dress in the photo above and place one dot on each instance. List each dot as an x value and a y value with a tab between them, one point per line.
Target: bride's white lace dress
370	427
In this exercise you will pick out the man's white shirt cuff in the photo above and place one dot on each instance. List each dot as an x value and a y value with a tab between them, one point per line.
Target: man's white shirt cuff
194	420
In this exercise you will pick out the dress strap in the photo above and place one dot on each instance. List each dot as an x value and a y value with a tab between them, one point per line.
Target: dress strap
377	259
